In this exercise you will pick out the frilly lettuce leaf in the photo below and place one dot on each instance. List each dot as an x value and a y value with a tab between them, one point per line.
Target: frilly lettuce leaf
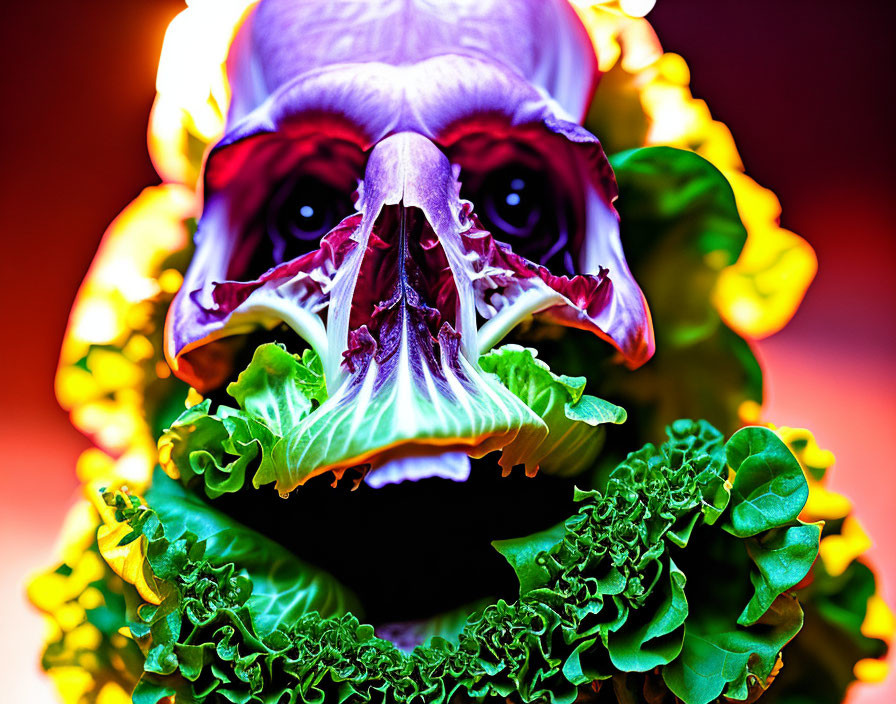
656	501
286	427
717	658
404	403
604	596
275	392
559	427
280	387
199	444
573	419
522	555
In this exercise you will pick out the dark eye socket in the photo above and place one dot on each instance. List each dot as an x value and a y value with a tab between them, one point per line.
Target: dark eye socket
519	205
301	211
512	200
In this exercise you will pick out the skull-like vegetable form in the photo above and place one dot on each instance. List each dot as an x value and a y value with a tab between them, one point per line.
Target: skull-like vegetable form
402	183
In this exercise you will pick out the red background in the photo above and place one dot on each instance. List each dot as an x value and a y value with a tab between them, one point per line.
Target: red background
807	87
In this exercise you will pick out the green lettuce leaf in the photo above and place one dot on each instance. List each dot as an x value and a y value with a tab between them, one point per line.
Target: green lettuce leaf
279	387
717	657
559	427
731	648
191	550
414	409
658	640
783	556
769	486
203	445
679	222
275	392
574	420
680	228
286	427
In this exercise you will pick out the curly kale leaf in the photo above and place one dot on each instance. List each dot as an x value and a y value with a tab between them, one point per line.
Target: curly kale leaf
605	595
214	571
283	586
621	549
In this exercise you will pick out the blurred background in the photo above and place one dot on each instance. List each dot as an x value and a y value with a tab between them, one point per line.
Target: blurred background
806	87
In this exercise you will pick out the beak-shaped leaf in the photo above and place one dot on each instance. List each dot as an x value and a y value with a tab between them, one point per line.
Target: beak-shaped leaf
401	382
390	303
